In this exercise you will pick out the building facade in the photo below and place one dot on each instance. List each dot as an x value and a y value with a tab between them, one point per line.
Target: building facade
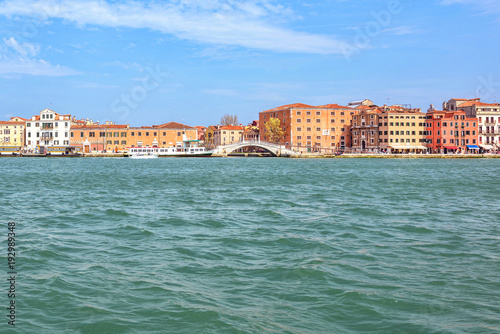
99	137
171	134
488	116
311	128
48	129
12	132
227	134
401	130
365	131
451	132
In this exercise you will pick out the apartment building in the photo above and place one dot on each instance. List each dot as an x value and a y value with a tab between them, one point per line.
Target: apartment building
401	130
227	134
488	115
48	129
12	132
451	132
94	137
313	128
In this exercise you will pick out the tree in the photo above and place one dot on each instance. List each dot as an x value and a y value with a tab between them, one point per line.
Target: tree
229	120
274	133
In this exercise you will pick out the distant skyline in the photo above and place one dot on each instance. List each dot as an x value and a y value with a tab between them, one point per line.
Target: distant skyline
192	61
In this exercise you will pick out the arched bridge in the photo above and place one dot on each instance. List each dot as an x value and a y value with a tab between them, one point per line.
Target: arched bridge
275	149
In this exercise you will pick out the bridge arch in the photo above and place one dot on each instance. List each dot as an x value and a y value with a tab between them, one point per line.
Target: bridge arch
274	149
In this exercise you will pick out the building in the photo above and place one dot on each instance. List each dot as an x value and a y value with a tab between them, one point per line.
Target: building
395	129
227	134
201	132
451	132
251	131
365	130
488	115
402	130
171	134
12	132
95	137
311	128
48	129
210	136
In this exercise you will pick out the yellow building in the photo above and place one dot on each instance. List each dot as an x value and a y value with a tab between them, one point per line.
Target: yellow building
401	130
12	132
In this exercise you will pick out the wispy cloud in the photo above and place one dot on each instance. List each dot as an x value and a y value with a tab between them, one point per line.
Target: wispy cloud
245	23
483	6
403	30
19	58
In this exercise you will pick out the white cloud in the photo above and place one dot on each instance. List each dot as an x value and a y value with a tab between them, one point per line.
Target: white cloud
18	58
33	67
24	49
244	23
403	30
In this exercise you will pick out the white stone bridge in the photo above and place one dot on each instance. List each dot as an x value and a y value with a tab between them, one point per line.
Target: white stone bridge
274	149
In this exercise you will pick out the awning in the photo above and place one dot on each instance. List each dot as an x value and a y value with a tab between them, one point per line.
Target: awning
473	147
451	147
408	147
486	147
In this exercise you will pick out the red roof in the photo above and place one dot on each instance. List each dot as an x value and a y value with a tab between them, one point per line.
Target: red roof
306	106
174	126
231	127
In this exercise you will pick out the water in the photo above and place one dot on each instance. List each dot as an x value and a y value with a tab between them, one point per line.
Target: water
253	245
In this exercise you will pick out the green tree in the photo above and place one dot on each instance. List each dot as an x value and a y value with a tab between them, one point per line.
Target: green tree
274	132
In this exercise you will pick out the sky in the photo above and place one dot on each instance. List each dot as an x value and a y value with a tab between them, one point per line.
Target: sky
192	61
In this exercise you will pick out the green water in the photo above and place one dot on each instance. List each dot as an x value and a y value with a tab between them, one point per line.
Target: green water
253	245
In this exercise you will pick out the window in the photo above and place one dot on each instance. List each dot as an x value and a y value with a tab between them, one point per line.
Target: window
164	134
308	120
299	120
308	129
147	134
318	120
308	137
308	113
102	134
332	113
342	113
299	137
139	133
179	134
318	137
299	113
318	129
91	134
299	129
332	121
117	142
132	133
342	121
318	113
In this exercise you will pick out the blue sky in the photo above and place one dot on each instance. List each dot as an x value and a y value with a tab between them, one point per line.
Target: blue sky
192	61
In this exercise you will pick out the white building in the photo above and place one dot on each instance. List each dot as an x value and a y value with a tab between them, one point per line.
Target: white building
48	129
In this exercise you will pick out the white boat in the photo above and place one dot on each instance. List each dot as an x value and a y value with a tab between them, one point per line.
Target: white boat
186	148
168	152
143	156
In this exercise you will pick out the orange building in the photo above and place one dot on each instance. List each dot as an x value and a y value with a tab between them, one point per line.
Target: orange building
99	137
312	127
165	135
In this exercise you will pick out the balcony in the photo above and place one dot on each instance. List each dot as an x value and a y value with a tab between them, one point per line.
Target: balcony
46	137
490	123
